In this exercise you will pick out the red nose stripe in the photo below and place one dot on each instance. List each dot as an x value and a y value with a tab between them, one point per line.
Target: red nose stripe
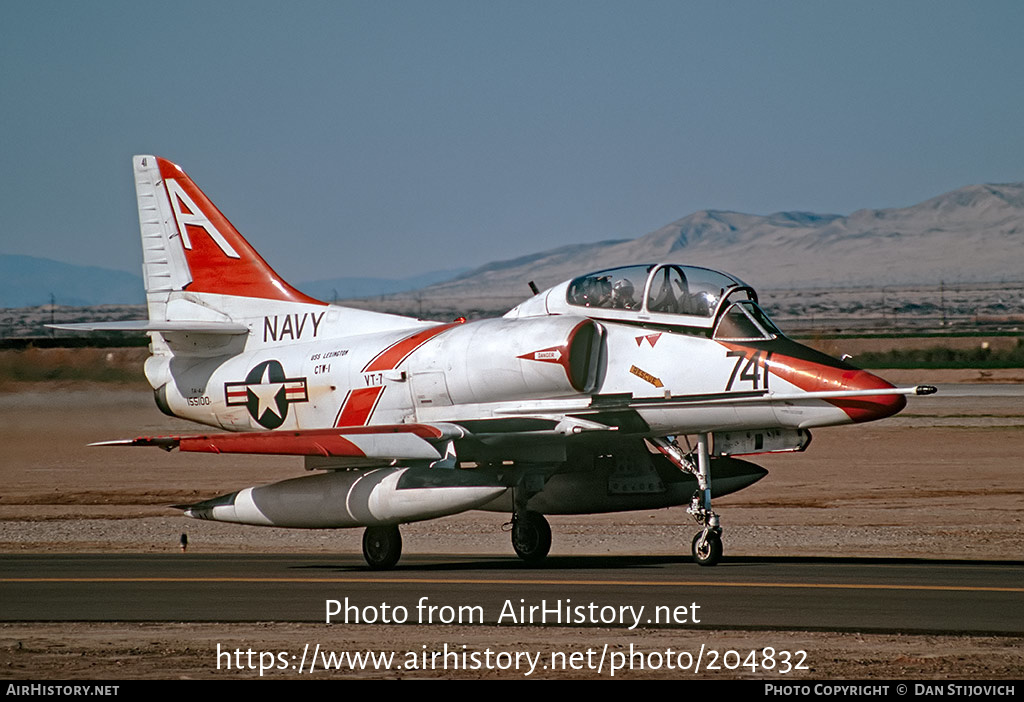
816	377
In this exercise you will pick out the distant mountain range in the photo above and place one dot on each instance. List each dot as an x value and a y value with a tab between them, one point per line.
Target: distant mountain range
27	281
348	288
973	234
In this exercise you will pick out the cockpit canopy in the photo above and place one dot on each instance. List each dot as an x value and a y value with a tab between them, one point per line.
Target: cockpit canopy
669	294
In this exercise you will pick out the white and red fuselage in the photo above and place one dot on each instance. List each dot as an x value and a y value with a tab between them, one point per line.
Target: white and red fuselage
305	373
559	406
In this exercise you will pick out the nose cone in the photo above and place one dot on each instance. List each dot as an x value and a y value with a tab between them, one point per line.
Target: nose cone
813	371
871	407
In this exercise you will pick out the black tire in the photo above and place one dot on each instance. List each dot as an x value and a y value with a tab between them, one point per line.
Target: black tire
531	536
707	551
382	546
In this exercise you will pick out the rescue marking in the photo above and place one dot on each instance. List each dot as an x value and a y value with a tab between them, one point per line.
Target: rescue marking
651	339
644	375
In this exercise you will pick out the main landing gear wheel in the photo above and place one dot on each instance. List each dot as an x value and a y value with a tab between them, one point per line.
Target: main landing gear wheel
382	546
707	547
531	536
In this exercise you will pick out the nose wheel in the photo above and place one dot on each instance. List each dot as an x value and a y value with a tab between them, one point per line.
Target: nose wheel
707	547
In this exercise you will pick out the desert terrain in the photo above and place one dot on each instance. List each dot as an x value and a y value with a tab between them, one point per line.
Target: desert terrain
942	480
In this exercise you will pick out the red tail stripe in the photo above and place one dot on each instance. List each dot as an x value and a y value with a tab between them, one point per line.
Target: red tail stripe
211	269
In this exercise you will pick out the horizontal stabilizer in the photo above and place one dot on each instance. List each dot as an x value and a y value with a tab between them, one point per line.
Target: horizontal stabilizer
145	325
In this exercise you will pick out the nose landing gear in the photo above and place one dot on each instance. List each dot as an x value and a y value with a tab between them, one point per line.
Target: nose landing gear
707	544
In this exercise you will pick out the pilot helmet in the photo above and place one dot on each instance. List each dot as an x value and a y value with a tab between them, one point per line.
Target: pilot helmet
622	293
624	289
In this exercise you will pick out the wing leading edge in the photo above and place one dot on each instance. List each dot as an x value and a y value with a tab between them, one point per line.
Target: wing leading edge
385	442
376	444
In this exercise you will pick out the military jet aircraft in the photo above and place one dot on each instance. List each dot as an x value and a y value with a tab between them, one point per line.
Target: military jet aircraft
625	389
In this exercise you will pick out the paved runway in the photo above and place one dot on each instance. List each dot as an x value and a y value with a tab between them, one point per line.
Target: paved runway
742	593
978	389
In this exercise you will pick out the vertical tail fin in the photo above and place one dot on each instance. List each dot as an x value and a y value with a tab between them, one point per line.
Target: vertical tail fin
190	246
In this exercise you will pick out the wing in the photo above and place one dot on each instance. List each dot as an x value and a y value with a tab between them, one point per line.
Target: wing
539	428
625	411
368	446
346	446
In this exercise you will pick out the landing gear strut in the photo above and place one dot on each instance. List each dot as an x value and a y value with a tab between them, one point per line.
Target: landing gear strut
707	544
531	536
382	546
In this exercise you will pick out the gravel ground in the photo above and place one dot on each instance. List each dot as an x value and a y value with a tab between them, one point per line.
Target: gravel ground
944	479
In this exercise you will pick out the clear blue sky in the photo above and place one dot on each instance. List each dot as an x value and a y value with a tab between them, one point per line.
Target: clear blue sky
394	138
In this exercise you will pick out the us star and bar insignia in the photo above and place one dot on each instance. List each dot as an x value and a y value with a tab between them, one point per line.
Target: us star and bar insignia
266	393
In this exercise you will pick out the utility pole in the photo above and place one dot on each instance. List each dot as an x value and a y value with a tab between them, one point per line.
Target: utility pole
942	300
